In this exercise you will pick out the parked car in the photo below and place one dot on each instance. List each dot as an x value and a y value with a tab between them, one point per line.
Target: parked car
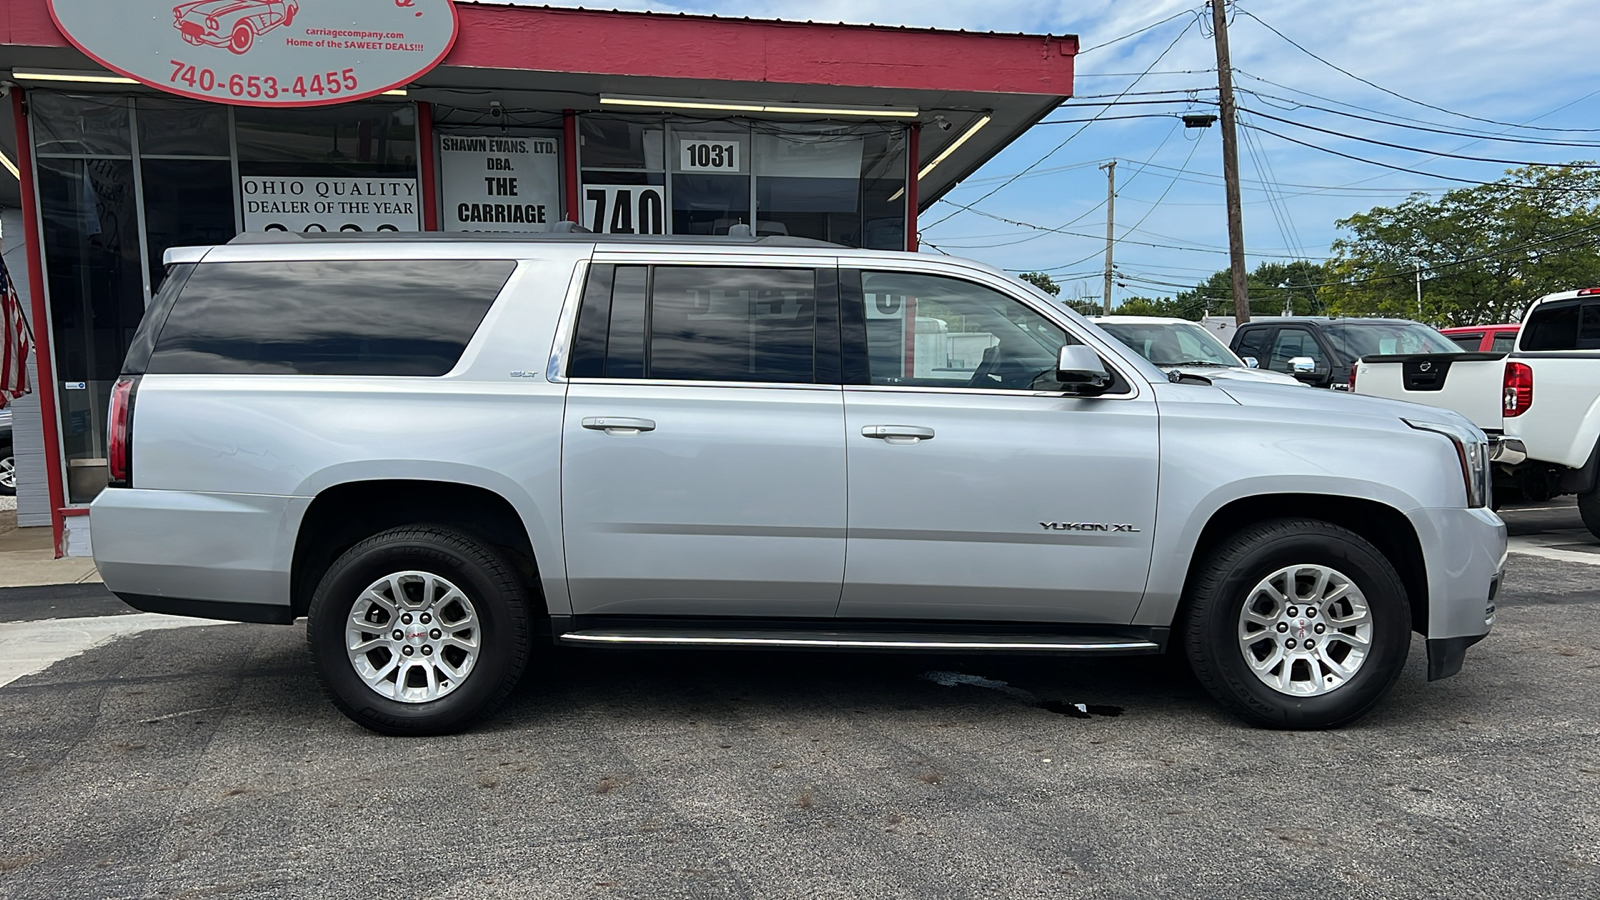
8	458
1542	399
1484	338
1320	351
1179	346
234	24
756	442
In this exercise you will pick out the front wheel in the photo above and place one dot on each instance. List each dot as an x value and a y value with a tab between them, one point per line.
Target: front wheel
1297	623
419	630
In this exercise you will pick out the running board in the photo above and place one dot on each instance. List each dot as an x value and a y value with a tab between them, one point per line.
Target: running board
862	640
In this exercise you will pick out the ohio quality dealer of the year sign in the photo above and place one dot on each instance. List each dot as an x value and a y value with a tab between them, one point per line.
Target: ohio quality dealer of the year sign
263	52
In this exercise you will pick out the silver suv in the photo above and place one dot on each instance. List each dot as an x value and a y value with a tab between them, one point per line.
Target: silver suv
441	449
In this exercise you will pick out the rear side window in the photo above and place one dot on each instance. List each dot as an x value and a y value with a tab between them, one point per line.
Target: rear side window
1563	326
698	323
345	317
1468	340
1504	342
1250	340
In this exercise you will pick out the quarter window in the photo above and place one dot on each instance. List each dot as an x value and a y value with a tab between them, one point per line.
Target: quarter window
1504	342
366	317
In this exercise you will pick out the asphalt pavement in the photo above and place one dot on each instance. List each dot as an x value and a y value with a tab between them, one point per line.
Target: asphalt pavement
203	761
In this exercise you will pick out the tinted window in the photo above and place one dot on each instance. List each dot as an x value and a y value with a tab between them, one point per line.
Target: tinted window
1387	338
1467	341
944	332
1249	342
1589	327
1293	342
367	317
1553	326
701	323
1504	342
732	324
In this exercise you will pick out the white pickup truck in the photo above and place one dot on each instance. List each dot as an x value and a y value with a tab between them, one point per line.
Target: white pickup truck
1541	401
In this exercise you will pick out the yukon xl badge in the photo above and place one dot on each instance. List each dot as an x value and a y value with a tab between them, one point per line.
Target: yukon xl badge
1088	526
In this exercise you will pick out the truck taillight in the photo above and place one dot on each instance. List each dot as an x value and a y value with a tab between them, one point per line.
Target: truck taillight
1517	394
120	439
1353	367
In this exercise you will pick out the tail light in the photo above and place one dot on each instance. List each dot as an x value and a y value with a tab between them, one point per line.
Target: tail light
1353	367
1517	395
120	440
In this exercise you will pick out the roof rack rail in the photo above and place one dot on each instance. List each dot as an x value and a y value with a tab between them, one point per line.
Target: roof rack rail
573	234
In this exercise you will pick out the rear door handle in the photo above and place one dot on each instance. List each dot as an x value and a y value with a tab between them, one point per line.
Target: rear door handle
619	425
898	434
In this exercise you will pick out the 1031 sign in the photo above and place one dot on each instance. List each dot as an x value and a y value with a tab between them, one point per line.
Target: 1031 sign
625	208
708	156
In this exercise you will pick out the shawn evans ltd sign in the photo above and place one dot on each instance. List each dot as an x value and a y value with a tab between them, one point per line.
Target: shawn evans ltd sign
263	52
499	183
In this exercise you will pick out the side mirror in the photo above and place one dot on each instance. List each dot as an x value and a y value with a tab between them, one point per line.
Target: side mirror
1302	365
1252	362
1079	371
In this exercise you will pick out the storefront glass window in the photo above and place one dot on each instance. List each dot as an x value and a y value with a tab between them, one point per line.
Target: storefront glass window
91	248
186	202
710	178
181	128
371	139
79	126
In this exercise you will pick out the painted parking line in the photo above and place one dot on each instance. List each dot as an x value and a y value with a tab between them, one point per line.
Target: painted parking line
29	647
1571	545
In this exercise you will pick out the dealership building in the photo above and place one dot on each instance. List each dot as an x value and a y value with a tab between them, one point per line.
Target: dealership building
129	128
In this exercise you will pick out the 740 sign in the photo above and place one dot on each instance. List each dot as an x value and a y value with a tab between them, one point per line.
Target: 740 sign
265	87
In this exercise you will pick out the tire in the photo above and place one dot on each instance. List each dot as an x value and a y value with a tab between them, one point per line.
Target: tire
1338	578
442	685
1589	509
242	39
8	472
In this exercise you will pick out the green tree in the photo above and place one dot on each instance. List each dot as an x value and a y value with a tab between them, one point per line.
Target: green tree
1273	288
1043	282
1483	251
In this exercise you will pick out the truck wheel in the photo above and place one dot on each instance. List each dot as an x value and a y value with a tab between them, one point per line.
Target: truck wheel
8	472
1296	623
1589	508
418	630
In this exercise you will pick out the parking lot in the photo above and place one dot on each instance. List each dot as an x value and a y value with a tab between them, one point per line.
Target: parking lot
203	761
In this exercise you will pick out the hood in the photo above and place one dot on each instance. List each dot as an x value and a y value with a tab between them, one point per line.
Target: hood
1235	373
1343	403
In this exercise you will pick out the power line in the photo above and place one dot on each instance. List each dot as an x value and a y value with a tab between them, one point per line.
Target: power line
1391	93
1177	15
1373	162
1131	85
1476	136
1436	153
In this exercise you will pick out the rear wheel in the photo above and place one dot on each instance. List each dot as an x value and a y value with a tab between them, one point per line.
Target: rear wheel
1589	508
8	472
419	630
1297	623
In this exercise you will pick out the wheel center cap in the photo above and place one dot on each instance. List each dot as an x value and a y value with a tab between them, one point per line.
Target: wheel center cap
1300	626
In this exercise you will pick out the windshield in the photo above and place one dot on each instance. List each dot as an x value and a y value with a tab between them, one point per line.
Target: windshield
1172	343
1385	338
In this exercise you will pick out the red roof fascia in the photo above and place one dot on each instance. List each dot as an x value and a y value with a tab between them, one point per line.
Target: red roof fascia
717	49
709	48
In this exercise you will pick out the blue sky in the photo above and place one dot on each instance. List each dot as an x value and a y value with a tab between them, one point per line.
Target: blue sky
1529	63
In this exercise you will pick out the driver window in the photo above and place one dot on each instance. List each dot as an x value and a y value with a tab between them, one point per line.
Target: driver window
932	331
1293	342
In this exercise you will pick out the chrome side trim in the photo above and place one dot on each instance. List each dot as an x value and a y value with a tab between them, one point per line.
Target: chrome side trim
841	641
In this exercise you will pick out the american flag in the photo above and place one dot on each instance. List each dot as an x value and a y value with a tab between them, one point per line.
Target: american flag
15	341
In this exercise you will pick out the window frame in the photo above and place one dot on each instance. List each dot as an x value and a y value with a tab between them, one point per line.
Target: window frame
855	353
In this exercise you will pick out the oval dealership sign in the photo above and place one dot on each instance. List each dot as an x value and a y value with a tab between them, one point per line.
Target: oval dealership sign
263	52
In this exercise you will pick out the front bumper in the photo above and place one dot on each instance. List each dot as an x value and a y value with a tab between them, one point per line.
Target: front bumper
1465	553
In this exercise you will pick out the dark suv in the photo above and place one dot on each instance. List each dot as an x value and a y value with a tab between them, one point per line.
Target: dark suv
1331	345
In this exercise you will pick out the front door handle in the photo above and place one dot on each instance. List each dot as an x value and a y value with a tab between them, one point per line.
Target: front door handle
619	425
898	434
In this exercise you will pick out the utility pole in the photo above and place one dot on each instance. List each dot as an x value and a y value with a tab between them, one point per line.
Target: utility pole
1419	291
1230	163
1111	219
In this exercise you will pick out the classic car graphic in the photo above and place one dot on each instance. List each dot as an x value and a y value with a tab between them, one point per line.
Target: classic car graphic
231	23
